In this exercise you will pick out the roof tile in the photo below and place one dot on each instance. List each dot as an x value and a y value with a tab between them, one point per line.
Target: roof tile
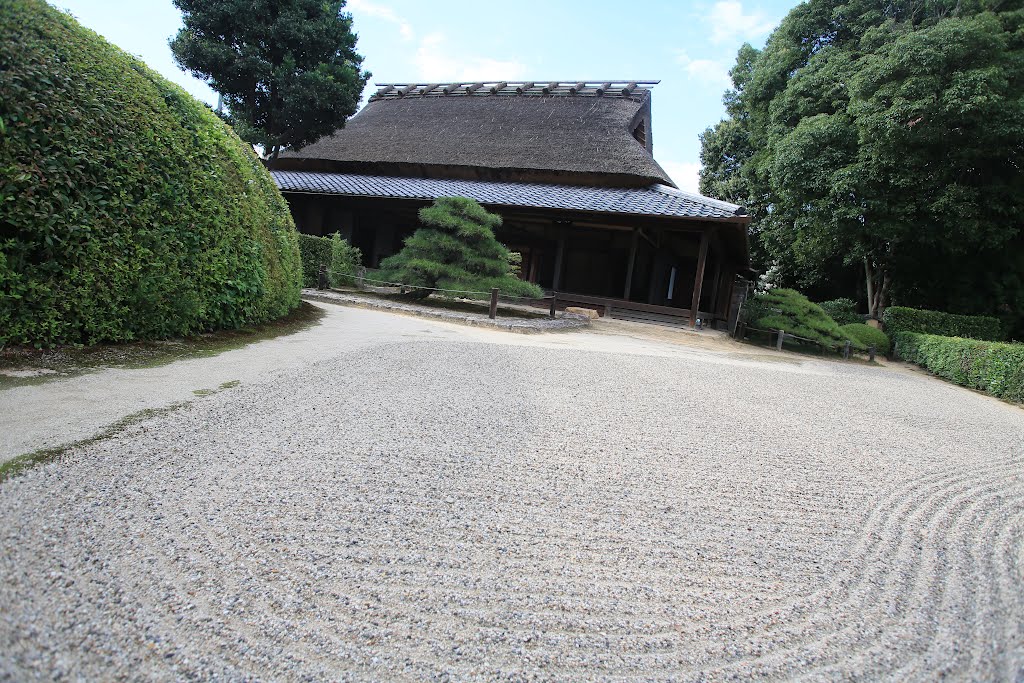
654	200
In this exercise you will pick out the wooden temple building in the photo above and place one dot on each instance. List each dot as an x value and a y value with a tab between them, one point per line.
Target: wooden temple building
568	166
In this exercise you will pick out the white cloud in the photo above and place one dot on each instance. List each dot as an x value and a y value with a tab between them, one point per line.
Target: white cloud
434	63
372	9
685	174
729	23
710	71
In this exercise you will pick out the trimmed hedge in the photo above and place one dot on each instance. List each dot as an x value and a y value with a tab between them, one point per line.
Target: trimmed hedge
314	251
867	336
344	259
899	319
843	311
130	210
994	367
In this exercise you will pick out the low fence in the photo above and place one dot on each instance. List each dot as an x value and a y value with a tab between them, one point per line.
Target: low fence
781	336
494	296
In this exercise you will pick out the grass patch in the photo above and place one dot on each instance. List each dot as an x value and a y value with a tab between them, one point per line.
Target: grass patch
16	466
22	366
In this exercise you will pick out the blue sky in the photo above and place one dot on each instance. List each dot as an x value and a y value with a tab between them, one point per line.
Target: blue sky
689	46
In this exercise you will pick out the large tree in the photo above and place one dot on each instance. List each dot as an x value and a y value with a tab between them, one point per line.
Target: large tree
886	137
287	69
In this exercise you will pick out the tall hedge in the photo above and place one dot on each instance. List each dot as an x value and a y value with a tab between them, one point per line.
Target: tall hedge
129	209
899	319
993	367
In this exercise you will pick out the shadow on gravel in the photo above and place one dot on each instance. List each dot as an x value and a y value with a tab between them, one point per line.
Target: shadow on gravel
22	366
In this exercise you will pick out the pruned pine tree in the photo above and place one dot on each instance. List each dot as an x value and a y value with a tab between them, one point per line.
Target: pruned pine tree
456	250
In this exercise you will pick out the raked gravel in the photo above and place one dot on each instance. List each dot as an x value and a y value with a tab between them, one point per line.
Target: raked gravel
454	510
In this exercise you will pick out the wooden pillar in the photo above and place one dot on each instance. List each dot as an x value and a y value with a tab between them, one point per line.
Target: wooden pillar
559	258
698	279
632	263
715	308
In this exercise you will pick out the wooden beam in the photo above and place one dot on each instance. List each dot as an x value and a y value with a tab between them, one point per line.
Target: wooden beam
630	87
498	87
429	87
632	263
523	87
470	89
575	90
550	87
604	87
402	92
698	279
450	88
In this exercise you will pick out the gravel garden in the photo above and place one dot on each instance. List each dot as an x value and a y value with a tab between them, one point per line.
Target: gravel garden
434	502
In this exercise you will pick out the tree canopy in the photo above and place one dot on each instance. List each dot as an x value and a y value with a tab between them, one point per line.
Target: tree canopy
887	138
287	69
456	249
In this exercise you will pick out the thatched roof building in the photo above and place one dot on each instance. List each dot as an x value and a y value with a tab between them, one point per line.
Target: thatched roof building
570	167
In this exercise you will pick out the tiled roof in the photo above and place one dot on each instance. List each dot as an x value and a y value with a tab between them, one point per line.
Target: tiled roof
654	200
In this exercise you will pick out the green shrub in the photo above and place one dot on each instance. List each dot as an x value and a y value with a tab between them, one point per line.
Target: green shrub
345	261
456	249
993	367
843	311
867	336
314	251
130	210
789	310
900	319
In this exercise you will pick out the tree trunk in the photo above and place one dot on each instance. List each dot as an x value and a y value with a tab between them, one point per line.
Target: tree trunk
878	282
274	151
869	279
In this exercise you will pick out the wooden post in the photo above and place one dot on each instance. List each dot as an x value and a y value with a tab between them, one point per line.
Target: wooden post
632	263
494	302
782	337
715	287
559	257
554	302
321	278
698	279
871	354
846	350
361	272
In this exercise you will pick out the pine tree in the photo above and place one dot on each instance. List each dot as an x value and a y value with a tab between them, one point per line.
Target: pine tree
456	249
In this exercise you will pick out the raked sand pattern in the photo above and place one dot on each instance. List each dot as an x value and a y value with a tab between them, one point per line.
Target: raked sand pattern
446	510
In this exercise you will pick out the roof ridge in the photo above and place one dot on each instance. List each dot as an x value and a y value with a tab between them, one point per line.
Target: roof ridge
595	88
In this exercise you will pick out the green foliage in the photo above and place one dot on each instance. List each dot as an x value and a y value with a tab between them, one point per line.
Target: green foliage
843	311
883	140
899	319
130	210
867	336
456	249
789	310
314	250
345	258
993	367
287	69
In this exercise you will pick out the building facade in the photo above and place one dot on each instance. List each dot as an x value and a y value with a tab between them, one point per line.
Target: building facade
568	166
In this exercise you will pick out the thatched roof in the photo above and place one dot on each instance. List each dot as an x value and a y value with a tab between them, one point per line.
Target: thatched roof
569	135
